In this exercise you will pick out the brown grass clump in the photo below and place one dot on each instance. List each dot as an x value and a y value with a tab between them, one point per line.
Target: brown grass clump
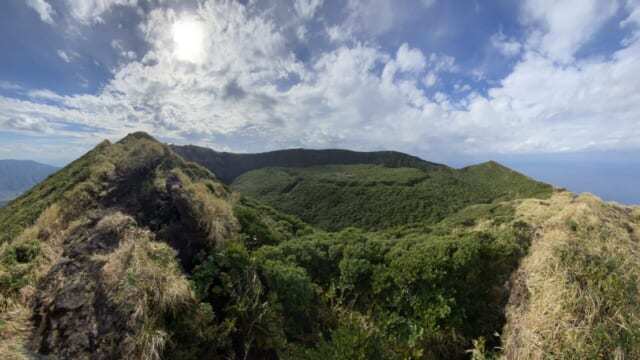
209	204
143	277
216	214
576	295
15	329
23	262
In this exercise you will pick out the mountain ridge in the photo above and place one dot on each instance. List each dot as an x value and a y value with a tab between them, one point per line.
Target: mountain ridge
133	252
228	166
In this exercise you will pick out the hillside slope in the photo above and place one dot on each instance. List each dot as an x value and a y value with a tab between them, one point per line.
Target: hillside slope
91	259
228	166
376	197
576	295
17	176
132	252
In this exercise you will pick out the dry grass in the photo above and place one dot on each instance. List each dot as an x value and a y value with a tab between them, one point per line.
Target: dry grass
23	262
575	294
15	329
216	214
143	276
211	206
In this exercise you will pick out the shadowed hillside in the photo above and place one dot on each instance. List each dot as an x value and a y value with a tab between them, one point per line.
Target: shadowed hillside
228	166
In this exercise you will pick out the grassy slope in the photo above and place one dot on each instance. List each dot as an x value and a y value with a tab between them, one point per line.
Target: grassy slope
23	211
76	214
270	286
277	271
576	294
375	197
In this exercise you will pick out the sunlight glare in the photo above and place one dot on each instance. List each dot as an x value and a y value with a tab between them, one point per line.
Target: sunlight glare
188	38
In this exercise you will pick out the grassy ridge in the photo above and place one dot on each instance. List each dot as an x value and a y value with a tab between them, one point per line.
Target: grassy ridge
108	227
166	262
23	211
195	271
228	166
376	197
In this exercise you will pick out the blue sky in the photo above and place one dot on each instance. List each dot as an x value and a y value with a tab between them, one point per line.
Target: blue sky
529	82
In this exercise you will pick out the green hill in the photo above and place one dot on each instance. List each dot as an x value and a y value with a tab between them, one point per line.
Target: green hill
228	166
132	252
376	197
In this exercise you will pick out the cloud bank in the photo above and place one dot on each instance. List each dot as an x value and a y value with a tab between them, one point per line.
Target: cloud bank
249	90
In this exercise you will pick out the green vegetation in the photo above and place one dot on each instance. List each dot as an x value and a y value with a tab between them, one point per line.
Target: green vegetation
354	294
167	263
228	166
376	197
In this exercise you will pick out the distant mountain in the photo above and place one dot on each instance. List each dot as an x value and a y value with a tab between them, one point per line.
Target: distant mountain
17	176
131	252
228	166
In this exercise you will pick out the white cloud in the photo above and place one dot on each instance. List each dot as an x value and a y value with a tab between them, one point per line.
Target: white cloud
561	27
8	85
307	8
64	56
462	88
25	123
130	55
45	94
430	79
366	18
250	93
506	46
409	59
122	51
44	10
91	11
337	34
442	63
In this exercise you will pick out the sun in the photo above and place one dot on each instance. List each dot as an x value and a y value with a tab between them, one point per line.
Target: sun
188	38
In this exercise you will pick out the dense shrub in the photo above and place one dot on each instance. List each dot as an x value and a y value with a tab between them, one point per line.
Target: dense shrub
334	197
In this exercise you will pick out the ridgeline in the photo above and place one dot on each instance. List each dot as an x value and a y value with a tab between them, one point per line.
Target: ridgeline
134	252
